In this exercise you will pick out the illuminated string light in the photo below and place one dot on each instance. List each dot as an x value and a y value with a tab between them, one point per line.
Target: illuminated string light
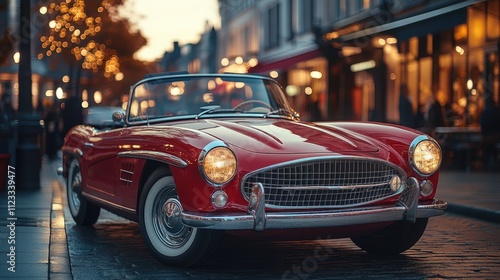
71	27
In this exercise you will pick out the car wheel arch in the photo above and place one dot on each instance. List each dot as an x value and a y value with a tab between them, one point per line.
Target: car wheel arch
149	167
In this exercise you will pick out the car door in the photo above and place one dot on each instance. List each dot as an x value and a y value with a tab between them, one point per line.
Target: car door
99	164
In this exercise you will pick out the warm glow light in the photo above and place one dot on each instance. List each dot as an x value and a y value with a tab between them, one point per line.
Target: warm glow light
253	62
85	104
43	10
470	84
175	91
52	24
59	93
65	78
119	76
49	93
85	95
273	74
97	97
459	50
291	90
211	85
238	60
16	57
363	65
316	75
308	90
224	61
391	40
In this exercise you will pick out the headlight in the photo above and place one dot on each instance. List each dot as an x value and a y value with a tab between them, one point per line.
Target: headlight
217	163
425	155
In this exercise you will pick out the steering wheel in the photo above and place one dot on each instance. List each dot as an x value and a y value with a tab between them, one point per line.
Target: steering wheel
259	102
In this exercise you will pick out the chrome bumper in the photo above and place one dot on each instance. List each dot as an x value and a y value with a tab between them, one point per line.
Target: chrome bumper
257	219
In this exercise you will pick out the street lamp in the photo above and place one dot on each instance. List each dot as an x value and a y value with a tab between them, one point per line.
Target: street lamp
28	153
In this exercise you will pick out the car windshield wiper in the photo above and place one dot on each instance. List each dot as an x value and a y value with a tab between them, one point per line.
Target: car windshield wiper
284	111
212	109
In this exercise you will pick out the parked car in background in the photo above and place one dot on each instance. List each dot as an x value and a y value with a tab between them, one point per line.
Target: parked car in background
198	155
101	116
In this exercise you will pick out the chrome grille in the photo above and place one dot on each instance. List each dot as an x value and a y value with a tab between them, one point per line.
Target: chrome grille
325	182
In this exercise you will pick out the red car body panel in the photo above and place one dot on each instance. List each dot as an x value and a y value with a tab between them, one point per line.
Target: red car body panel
275	141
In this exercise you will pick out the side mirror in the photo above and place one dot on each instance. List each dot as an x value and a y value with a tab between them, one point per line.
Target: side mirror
118	117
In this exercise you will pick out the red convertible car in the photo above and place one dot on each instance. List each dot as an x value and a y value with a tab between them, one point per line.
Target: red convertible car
198	156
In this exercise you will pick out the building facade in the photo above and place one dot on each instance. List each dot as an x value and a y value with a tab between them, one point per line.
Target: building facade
347	60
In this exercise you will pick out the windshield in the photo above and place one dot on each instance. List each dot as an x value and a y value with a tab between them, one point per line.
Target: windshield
204	96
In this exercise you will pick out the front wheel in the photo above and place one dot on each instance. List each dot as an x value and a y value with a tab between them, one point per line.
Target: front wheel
394	239
83	212
169	240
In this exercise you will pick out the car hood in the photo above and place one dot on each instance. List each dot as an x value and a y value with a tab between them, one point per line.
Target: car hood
284	136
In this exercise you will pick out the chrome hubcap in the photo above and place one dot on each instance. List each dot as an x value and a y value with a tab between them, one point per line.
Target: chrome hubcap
167	223
76	189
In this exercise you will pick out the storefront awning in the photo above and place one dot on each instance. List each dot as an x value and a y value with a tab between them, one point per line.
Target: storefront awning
430	22
284	63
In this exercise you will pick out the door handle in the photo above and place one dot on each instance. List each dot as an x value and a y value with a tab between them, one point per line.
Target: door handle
88	145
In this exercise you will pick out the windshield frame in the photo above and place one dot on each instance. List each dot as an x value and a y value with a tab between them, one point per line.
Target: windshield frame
273	91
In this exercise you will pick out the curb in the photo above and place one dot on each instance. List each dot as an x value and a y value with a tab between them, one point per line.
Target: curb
475	212
59	258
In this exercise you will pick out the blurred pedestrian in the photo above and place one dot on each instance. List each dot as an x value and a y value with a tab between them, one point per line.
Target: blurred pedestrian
72	113
5	129
7	126
7	105
434	114
52	138
406	115
490	132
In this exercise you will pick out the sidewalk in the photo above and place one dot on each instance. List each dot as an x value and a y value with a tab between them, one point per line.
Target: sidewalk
472	194
33	239
41	250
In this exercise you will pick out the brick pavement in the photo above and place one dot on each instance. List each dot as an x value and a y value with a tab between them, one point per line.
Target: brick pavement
41	250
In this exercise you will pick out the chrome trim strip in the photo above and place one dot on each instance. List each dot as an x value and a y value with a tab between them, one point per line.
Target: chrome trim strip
286	220
256	206
87	144
72	150
127	171
125	180
114	205
159	156
331	187
412	200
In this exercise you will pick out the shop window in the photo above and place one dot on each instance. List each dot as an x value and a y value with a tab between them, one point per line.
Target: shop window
476	24
341	9
445	44
363	96
460	34
476	84
412	81
426	92
459	84
493	19
413	47
272	30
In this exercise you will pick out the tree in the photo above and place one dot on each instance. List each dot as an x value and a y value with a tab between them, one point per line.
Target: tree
7	40
91	36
